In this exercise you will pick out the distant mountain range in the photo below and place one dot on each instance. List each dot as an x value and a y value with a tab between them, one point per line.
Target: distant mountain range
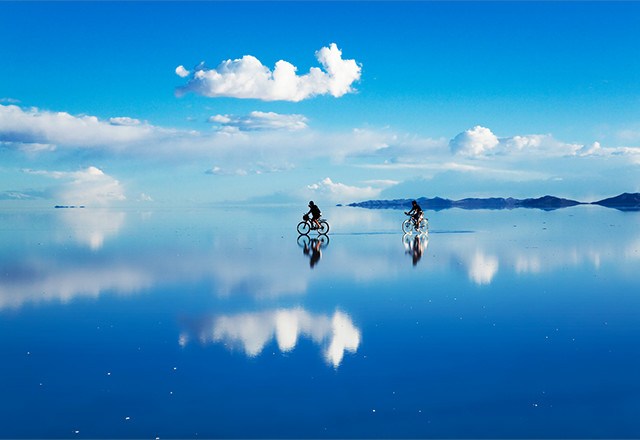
625	202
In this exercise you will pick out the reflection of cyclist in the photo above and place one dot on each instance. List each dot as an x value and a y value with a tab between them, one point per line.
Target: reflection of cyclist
315	213
415	213
315	251
416	250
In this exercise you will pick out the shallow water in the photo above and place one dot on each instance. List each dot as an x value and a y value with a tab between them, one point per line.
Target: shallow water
223	323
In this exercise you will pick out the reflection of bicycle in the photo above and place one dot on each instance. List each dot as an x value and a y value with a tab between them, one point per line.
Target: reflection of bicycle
411	225
305	242
415	245
410	241
312	247
306	225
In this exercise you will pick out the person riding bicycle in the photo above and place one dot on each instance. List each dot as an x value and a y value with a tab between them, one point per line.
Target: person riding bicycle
415	213
315	215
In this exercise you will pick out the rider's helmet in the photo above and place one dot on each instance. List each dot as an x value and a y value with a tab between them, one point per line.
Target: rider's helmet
414	202
311	203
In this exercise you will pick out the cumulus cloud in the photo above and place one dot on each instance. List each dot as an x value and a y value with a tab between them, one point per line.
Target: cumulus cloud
34	126
481	142
18	195
85	187
124	121
182	72
217	171
596	149
247	77
473	142
257	121
326	189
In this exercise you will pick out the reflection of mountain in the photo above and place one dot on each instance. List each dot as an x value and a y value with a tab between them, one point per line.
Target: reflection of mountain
628	201
252	331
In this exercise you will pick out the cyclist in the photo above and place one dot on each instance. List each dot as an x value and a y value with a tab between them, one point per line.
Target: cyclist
415	213
315	213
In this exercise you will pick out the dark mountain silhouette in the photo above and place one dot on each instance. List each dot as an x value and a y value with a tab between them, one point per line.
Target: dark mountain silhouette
624	201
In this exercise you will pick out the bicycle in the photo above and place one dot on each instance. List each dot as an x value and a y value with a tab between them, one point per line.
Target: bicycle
410	225
306	225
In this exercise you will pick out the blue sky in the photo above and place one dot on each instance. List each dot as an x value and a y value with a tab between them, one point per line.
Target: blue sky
109	104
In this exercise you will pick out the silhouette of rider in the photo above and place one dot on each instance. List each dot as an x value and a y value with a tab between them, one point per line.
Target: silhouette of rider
315	251
416	250
315	213
415	213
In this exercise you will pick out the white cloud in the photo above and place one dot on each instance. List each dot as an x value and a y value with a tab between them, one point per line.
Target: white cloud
182	72
256	121
9	101
227	172
252	331
86	187
124	121
339	192
596	149
34	126
248	78
476	141
525	142
144	198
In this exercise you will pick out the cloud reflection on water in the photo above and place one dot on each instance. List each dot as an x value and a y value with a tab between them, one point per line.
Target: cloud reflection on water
52	263
253	331
92	226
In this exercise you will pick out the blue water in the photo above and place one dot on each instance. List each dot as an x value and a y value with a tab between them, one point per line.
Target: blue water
220	323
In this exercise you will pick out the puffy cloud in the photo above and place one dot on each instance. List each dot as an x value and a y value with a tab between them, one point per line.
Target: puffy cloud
252	331
596	149
144	198
38	127
247	77
124	121
525	142
476	141
481	142
256	121
339	192
85	187
182	72
227	172
18	195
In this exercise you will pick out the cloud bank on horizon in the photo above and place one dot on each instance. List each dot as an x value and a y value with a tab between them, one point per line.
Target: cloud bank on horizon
267	142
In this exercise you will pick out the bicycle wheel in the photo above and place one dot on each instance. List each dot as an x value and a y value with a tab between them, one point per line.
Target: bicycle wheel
324	240
303	228
303	241
407	226
324	227
423	226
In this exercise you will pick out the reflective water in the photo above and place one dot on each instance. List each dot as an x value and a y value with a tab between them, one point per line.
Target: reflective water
223	323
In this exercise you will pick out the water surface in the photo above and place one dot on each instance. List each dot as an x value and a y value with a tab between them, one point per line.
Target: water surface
222	323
